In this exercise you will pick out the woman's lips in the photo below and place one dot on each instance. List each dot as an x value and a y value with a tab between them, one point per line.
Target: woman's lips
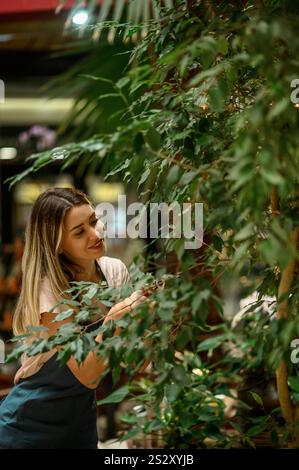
98	245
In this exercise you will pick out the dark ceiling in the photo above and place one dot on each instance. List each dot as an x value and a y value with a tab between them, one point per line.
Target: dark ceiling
33	46
38	31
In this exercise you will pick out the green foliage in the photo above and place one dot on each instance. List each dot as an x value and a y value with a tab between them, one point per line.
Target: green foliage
206	116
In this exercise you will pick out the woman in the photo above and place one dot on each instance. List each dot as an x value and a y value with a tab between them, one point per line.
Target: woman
52	406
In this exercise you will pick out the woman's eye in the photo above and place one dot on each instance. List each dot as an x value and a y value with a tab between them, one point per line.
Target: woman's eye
92	223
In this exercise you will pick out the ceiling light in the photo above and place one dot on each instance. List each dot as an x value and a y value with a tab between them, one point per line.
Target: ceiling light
8	153
80	17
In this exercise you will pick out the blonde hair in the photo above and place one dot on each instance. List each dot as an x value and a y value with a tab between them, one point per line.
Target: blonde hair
41	256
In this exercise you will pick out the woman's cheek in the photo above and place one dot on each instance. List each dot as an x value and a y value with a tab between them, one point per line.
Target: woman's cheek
76	246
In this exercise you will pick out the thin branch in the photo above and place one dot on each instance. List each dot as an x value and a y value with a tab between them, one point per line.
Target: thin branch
274	203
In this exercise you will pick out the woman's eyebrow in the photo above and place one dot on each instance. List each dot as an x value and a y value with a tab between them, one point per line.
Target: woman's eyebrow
77	226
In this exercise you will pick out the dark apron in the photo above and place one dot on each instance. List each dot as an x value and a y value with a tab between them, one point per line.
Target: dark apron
49	410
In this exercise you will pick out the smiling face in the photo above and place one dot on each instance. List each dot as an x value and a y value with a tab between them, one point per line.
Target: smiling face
83	235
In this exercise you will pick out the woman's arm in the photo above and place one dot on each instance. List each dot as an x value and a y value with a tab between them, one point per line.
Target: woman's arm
90	371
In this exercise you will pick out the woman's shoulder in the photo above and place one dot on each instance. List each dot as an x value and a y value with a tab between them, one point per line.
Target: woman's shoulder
114	270
113	263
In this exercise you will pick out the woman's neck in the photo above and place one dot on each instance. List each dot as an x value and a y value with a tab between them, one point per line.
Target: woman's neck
88	273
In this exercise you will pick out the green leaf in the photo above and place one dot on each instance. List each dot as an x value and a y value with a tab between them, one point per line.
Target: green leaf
212	343
15	179
91	293
184	336
279	108
172	391
123	166
115	397
144	177
39	347
36	329
217	243
172	175
241	252
216	98
180	374
222	44
99	79
199	298
154	425
275	437
130	434
257	398
122	82
187	177
294	383
138	142
272	176
255	430
108	95
107	303
183	64
153	138
63	315
245	233
64	354
78	350
16	353
212	71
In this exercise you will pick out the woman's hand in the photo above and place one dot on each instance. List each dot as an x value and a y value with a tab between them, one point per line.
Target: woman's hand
156	286
125	306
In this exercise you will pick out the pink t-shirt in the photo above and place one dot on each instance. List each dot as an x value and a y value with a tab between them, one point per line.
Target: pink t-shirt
116	275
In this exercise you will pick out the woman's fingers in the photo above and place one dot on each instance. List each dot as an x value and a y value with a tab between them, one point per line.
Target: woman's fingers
139	301
125	306
117	312
157	286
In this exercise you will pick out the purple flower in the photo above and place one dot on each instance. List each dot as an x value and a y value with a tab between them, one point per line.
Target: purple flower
24	137
41	137
37	131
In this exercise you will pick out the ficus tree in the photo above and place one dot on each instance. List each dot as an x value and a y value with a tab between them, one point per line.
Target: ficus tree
206	116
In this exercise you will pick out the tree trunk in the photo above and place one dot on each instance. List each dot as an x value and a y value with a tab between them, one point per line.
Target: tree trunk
287	408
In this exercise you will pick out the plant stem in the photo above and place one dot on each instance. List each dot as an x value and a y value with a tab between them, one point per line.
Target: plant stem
274	202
